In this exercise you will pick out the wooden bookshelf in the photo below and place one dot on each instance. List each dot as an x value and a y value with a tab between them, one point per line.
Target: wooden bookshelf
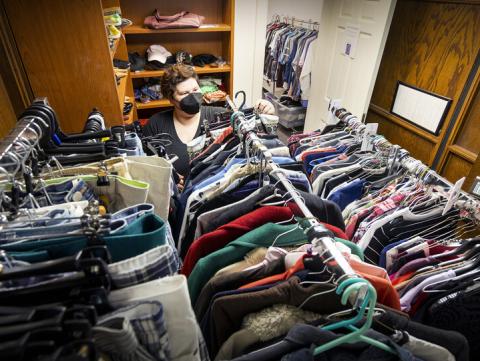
114	48
130	117
199	70
121	90
215	37
206	28
162	103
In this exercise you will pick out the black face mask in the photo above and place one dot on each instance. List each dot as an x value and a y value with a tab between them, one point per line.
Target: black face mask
191	103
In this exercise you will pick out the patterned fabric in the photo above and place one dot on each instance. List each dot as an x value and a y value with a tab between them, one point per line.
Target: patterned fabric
369	215
148	322
385	206
156	263
202	346
152	334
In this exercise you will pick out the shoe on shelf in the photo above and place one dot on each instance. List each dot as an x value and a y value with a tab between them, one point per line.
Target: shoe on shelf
121	64
125	23
113	19
113	32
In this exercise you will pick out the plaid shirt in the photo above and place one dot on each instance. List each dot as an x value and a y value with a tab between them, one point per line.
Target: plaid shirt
377	211
355	217
148	322
156	263
152	333
204	356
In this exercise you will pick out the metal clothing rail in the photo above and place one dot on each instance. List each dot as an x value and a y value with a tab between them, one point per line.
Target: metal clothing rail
292	20
17	145
318	235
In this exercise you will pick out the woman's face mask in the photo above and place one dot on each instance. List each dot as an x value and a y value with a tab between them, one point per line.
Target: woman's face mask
188	96
191	103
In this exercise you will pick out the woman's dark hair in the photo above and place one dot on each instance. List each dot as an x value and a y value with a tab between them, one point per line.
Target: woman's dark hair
175	75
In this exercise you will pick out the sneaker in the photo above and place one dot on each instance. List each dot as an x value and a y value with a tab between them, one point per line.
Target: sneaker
113	32
114	19
126	22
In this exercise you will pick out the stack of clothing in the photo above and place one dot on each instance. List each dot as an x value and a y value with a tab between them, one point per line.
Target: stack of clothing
213	89
182	19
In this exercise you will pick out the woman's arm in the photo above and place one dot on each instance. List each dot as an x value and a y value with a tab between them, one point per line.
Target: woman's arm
263	106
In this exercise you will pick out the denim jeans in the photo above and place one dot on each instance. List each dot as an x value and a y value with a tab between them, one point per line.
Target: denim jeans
119	194
130	214
68	190
133	145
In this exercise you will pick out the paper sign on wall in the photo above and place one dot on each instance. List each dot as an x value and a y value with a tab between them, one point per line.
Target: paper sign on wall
350	41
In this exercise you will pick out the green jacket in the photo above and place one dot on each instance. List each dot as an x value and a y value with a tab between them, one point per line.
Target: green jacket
236	250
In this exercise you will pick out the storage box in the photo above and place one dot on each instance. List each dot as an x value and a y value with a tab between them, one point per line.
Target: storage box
289	117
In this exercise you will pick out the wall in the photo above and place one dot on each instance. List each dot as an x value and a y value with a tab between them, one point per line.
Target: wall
249	44
7	114
433	46
336	75
251	19
301	9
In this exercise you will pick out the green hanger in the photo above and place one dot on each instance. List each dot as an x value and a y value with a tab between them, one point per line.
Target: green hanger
357	334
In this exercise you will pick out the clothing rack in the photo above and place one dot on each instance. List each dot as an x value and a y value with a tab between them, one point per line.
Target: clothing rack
318	235
17	138
407	161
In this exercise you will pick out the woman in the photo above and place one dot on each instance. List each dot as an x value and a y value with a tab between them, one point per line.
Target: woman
180	86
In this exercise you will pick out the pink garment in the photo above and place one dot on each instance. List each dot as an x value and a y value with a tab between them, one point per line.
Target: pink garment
183	19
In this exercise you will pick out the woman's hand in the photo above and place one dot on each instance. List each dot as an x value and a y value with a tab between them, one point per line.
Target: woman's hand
263	106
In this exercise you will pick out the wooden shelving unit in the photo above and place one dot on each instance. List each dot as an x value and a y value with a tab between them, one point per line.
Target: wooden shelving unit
122	89
114	48
200	70
215	37
130	117
162	103
206	28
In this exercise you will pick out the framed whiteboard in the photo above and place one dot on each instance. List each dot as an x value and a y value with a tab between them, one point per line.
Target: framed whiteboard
424	109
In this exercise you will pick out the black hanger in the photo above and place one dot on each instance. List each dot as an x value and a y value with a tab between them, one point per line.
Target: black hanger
85	260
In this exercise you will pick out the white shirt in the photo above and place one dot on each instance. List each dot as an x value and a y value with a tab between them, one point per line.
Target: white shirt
172	293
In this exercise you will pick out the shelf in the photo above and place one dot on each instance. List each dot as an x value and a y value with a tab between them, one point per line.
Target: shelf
114	48
121	89
199	70
162	103
130	118
206	28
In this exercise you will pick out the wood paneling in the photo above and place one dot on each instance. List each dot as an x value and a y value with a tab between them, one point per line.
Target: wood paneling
7	114
64	49
474	172
468	135
11	68
432	45
456	167
403	137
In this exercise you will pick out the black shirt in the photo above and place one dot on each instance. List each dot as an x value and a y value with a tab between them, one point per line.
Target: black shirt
162	122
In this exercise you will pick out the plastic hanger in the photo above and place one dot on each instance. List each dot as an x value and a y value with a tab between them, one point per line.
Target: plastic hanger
349	287
284	233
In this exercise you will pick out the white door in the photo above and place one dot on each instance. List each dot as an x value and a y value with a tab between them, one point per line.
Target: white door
358	28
